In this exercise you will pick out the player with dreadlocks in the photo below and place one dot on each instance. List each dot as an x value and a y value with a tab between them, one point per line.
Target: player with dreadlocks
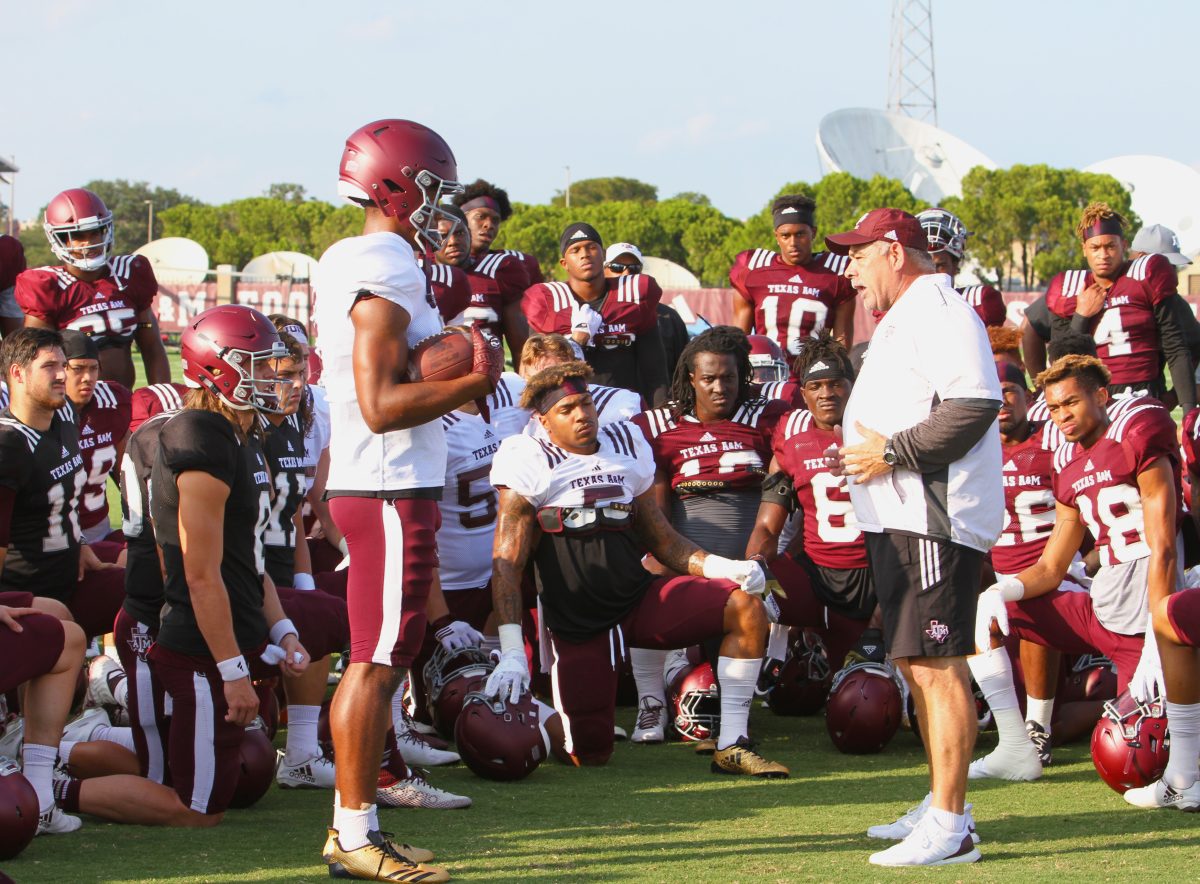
1131	308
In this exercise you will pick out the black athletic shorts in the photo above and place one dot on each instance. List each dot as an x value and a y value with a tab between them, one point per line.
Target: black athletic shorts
849	591
927	592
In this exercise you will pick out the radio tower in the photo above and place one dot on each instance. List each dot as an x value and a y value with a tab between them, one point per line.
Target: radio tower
912	88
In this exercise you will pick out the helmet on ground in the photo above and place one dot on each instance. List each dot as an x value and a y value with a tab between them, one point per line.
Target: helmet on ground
864	708
256	766
18	810
1130	745
804	678
697	704
449	677
500	740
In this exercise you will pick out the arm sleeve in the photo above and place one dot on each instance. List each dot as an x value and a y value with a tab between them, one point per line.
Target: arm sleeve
651	366
951	430
32	297
1175	348
143	284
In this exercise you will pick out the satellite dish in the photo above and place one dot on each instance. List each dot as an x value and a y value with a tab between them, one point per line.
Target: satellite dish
176	259
929	162
668	274
1164	192
297	265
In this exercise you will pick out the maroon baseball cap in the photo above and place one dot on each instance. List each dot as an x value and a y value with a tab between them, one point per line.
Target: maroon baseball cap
888	225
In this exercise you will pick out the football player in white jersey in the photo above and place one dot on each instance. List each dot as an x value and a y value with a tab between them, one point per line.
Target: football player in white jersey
387	457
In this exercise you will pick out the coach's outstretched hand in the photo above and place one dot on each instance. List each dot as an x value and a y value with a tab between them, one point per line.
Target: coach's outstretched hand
511	677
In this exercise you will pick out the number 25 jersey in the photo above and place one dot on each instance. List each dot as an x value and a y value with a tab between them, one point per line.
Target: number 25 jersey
105	310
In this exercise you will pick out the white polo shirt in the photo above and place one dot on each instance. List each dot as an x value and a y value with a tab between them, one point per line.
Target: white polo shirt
362	462
931	346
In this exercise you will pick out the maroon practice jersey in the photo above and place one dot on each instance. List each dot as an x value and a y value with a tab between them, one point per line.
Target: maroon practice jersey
12	261
1101	481
1125	330
832	538
1028	500
533	269
1190	446
105	310
103	425
508	271
451	291
718	456
791	302
987	301
629	308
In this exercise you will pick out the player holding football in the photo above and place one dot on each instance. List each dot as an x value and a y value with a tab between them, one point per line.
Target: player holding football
581	507
387	456
1117	478
792	294
947	245
110	298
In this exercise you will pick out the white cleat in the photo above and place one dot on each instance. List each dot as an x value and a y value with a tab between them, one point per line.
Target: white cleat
416	751
650	722
1007	764
81	729
903	827
311	773
98	692
1159	794
55	822
929	845
414	791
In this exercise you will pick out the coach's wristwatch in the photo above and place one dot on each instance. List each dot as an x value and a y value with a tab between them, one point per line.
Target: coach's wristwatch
889	454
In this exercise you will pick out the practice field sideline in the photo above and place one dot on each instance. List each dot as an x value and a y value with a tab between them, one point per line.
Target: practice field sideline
657	814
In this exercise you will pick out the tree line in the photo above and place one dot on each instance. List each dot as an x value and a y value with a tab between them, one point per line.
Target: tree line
1022	220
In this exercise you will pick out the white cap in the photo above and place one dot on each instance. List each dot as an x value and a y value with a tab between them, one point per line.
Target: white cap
1158	240
618	249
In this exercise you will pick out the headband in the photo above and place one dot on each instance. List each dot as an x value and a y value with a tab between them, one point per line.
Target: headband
1010	374
570	386
1103	227
822	370
481	202
296	332
793	215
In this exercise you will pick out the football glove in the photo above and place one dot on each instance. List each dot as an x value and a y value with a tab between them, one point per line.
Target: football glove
511	677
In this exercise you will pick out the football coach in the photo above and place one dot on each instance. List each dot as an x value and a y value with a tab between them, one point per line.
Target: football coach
923	457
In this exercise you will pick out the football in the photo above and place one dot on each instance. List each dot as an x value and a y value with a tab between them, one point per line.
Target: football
442	357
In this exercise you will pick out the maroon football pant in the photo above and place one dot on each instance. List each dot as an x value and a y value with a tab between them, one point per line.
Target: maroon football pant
803	607
147	700
34	650
97	599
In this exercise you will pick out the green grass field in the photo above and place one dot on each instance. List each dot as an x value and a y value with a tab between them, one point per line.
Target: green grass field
657	814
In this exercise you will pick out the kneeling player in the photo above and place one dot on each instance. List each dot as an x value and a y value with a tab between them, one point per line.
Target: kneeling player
581	507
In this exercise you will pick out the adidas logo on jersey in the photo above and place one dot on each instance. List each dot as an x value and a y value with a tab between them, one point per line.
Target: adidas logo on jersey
87	430
1010	467
708	437
290	448
65	453
795	278
597	469
1089	466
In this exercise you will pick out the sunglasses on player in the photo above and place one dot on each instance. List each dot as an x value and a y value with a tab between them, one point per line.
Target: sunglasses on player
618	267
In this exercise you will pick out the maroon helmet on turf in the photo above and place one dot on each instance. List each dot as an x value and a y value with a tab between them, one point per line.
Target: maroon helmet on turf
766	360
500	740
697	704
1130	745
256	766
804	678
404	169
449	677
74	212
268	705
221	351
864	708
18	810
1092	678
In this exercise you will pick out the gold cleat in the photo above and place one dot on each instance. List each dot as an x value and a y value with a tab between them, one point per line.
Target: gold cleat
740	759
380	860
706	747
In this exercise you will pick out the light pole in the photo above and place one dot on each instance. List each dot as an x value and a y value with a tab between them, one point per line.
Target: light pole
149	220
567	193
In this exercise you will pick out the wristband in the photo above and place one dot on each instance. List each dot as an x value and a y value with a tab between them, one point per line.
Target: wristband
440	623
281	629
300	580
511	638
716	567
234	669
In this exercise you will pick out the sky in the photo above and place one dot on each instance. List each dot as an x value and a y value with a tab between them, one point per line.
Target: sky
220	99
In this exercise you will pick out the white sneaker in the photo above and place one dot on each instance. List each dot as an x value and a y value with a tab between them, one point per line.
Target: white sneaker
929	845
902	828
98	692
619	733
312	773
1008	764
12	735
414	791
421	727
55	822
81	729
1159	794
676	662
650	725
415	751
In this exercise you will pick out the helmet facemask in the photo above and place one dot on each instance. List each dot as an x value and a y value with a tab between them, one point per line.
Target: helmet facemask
60	235
424	218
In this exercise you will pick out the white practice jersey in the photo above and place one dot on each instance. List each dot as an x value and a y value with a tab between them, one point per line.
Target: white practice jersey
468	502
507	416
361	461
317	438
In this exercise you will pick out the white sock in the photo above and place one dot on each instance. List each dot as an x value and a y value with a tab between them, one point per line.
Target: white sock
38	768
993	674
398	709
1041	711
352	825
122	736
948	820
1183	721
737	678
64	750
648	673
302	733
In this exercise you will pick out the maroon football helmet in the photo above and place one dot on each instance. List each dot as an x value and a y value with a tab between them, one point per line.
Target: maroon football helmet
1092	677
73	212
406	170
804	678
221	350
18	810
697	704
499	740
864	707
256	766
449	677
1130	745
767	361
